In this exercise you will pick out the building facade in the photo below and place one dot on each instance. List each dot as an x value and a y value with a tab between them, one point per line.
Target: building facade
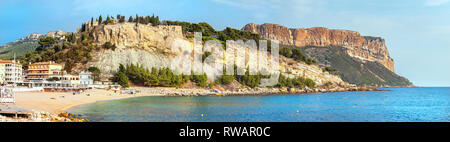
10	72
42	71
51	76
86	78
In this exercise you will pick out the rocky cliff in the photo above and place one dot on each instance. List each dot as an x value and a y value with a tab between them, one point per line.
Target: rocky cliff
362	47
150	46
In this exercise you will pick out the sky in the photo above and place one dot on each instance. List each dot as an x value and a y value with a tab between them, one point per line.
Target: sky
417	32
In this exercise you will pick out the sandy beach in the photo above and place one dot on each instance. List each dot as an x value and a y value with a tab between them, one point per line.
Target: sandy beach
57	102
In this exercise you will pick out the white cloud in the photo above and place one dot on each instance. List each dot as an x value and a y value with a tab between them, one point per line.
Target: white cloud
436	2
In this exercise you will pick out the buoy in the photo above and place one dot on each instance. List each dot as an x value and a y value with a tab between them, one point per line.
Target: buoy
297	111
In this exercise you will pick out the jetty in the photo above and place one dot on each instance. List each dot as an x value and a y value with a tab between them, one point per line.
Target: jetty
11	110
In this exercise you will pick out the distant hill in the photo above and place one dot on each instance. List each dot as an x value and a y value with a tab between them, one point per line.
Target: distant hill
20	47
354	70
24	45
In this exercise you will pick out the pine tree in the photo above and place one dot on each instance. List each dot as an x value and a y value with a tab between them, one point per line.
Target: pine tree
100	20
83	27
122	79
92	21
137	19
121	19
130	19
157	21
108	20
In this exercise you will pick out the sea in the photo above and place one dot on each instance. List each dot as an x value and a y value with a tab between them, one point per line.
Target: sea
422	104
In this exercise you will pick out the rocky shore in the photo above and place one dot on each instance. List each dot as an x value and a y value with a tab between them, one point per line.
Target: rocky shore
41	117
261	91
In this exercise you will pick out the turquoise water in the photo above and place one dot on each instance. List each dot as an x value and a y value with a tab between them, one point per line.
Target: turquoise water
397	105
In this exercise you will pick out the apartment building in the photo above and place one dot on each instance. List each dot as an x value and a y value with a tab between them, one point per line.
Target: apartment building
10	72
41	71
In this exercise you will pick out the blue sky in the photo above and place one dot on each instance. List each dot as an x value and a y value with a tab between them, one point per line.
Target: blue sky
417	32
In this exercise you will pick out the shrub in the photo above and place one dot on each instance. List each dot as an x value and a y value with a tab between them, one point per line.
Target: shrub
205	55
286	52
109	45
200	80
224	79
330	69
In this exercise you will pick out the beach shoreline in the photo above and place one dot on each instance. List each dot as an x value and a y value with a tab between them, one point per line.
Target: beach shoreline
59	102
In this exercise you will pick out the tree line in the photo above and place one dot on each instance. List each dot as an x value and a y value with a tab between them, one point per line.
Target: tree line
164	77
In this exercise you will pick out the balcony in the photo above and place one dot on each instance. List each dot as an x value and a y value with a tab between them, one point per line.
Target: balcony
38	74
37	69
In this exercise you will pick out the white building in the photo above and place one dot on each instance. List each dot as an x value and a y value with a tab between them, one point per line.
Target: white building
86	78
10	72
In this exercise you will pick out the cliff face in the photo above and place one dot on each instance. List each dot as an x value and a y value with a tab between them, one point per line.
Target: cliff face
365	48
150	46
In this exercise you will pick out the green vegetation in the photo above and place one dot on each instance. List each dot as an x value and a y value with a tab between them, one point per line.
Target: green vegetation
49	49
205	28
205	55
165	77
109	45
208	32
154	20
100	20
95	73
121	77
200	80
224	79
139	75
371	38
249	80
19	48
298	82
121	18
353	70
330	69
296	54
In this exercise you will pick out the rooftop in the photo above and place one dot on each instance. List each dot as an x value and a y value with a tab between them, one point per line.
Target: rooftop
8	61
45	63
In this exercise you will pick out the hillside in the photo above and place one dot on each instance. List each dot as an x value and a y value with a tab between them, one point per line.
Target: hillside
353	70
363	47
25	45
361	60
20	47
149	46
143	46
